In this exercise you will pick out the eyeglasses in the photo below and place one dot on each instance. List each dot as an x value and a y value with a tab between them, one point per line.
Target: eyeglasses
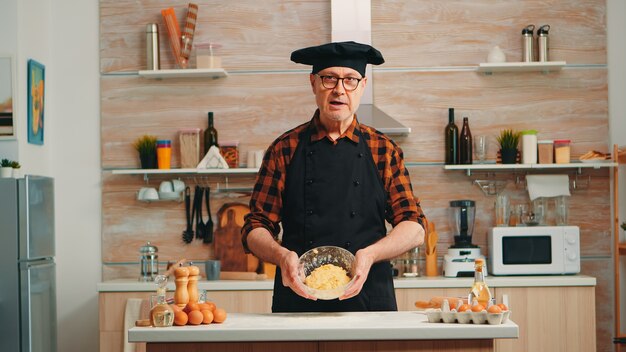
349	83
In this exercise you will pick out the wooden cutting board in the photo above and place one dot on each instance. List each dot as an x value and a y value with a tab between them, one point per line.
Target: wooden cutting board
227	240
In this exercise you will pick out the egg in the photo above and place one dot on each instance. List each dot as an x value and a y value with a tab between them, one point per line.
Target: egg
464	308
494	309
180	318
478	308
195	317
208	316
191	306
219	315
503	307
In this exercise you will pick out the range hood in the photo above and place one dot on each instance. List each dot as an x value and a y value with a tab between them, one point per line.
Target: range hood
352	20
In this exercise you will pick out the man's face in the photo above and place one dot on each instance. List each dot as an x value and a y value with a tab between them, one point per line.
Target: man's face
337	104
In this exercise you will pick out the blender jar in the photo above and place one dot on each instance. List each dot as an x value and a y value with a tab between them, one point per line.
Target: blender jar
462	219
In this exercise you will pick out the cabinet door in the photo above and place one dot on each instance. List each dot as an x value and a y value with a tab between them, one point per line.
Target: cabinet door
551	319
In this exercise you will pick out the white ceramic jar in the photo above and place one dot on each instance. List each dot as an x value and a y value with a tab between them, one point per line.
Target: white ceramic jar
529	147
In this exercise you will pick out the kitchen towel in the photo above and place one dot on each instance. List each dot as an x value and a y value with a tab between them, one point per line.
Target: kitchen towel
547	186
213	160
136	308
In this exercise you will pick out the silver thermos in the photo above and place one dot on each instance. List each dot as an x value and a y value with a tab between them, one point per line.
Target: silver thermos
542	42
153	58
527	43
149	262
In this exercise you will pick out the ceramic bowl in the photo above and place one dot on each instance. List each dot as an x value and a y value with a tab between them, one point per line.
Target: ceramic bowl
319	256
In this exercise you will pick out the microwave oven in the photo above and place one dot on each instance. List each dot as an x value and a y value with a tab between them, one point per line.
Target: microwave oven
534	250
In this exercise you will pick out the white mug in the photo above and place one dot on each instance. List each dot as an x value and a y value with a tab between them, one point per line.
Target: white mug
258	157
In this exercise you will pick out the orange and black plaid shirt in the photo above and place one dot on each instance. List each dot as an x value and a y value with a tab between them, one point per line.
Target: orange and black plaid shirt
266	200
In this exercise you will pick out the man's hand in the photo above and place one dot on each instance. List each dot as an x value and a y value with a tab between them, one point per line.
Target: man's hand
291	275
362	264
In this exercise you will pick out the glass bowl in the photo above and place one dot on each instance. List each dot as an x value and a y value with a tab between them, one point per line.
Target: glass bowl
319	256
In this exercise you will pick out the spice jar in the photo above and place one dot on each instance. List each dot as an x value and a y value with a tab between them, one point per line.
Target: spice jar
189	147
545	149
164	153
562	151
230	152
411	264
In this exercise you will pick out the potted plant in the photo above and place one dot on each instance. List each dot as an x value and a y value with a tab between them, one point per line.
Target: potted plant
508	140
5	168
16	169
146	146
623	226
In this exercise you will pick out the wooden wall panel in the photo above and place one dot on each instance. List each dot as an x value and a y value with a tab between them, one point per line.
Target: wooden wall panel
253	34
459	33
265	94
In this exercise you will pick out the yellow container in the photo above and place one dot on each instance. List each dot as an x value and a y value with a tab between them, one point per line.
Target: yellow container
562	151
164	154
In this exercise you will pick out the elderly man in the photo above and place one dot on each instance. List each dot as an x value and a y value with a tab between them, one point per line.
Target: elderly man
334	181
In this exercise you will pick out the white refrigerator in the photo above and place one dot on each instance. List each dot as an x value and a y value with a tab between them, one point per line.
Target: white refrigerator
27	267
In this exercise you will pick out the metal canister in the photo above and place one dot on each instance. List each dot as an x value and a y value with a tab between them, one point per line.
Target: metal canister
542	42
153	58
149	262
527	43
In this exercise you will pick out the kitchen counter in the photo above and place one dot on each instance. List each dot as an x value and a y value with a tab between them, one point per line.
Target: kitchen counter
411	329
133	285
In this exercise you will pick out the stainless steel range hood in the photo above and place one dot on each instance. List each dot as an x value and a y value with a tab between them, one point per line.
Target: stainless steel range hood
352	20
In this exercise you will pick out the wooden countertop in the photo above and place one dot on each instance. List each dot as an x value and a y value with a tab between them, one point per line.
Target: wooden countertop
240	327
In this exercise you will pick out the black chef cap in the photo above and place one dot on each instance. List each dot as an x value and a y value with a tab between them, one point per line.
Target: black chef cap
342	54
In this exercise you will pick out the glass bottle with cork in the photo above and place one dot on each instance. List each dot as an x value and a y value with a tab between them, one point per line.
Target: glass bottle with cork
210	135
480	291
465	144
451	137
161	314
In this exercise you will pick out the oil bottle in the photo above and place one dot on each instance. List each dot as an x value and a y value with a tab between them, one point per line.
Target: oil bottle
480	290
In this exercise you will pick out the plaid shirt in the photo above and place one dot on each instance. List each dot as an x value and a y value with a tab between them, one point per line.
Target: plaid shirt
266	200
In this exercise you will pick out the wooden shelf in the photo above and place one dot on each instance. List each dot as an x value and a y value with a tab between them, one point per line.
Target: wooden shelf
521	66
184	73
234	171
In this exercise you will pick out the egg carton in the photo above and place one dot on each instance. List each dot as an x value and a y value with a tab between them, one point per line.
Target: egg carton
452	316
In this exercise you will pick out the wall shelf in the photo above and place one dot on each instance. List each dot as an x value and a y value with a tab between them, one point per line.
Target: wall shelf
233	171
184	73
494	167
489	67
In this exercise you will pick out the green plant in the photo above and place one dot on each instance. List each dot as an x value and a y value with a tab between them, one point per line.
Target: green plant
15	165
508	139
146	144
623	225
5	163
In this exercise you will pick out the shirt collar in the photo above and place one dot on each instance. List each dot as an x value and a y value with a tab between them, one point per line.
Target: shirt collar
318	131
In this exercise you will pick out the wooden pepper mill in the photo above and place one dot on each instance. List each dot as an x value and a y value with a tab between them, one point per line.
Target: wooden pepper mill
181	295
192	286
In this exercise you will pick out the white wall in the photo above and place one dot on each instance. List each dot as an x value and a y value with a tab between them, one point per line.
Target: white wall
63	35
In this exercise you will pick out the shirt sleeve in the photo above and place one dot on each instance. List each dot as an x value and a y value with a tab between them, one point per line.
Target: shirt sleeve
402	204
266	199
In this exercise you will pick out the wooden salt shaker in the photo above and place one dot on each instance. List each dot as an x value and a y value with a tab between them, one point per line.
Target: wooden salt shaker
181	295
192	286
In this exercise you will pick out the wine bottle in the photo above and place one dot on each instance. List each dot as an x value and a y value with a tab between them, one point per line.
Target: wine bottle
480	290
451	137
465	143
210	135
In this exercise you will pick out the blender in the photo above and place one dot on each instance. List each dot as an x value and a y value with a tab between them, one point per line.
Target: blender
459	262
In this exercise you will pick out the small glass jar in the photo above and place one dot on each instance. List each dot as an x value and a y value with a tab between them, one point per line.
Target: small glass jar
411	263
161	314
529	147
206	55
562	151
545	149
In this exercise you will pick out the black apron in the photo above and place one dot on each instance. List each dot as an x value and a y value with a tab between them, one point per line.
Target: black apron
334	196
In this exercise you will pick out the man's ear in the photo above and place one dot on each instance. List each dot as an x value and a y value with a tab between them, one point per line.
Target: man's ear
312	79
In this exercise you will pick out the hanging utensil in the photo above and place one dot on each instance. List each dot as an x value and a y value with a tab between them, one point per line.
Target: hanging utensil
198	212
188	233
208	229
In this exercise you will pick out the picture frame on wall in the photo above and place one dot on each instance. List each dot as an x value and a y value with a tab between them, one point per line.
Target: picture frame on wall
7	97
36	95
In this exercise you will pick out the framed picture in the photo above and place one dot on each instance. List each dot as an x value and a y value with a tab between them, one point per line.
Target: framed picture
7	81
36	78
